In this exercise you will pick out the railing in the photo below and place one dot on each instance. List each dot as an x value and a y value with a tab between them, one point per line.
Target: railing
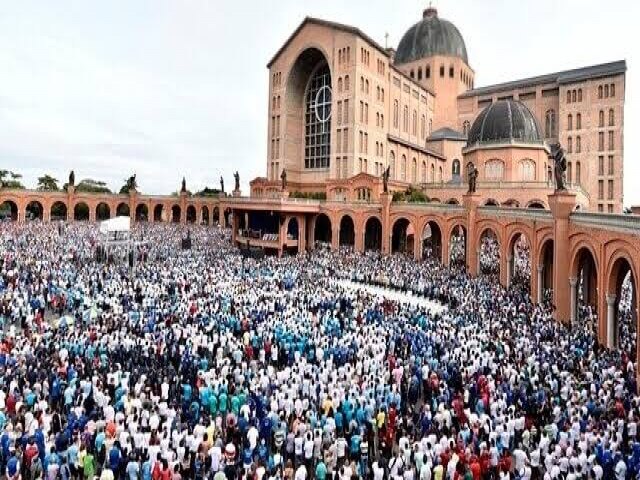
537	214
279	200
609	221
432	206
572	187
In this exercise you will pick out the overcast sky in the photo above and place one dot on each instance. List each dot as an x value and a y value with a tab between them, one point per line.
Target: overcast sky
180	88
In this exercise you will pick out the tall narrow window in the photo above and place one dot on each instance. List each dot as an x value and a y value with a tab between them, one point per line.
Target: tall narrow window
611	117
611	143
612	90
578	173
395	113
610	189
414	171
568	96
392	164
403	168
601	118
578	121
606	91
600	165
611	168
600	91
600	141
579	95
550	123
569	145
405	119
569	122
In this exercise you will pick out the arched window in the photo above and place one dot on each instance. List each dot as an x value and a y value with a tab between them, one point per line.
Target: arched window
569	145
405	119
414	171
579	94
433	173
423	127
600	91
573	96
527	170
606	91
611	117
578	144
569	122
392	164
578	121
346	83
414	129
455	167
612	90
412	74
419	73
550	123
578	172
318	119
569	172
494	169
427	72
362	84
440	174
423	172
366	87
403	168
601	118
395	113
340	85
465	127
568	96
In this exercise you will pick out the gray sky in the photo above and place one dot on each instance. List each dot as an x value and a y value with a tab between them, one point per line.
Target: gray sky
179	88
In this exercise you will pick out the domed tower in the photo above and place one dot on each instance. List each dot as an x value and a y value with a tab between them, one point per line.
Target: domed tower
434	54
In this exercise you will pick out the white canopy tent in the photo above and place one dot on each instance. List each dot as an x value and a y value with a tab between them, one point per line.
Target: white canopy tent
115	225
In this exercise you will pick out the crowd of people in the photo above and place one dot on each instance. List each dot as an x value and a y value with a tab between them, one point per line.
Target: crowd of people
201	363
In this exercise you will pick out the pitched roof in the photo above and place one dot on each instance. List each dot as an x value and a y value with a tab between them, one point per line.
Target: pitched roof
326	23
564	77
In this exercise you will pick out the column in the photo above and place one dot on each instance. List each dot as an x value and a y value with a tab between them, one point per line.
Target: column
509	270
611	320
539	289
302	233
562	203
417	247
234	230
471	202
335	237
385	199
573	283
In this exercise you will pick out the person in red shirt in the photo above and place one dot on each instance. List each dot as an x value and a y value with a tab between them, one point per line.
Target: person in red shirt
30	452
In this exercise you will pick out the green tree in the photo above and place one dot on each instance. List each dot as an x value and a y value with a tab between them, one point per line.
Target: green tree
208	192
48	183
92	186
9	179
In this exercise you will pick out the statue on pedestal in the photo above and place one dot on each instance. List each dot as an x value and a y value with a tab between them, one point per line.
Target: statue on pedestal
283	177
236	177
472	176
385	179
72	178
559	167
132	184
221	184
183	188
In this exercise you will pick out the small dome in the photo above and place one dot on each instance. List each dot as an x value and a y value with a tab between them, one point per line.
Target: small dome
431	36
505	121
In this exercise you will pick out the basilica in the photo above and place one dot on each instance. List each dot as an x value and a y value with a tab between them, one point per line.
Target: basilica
343	110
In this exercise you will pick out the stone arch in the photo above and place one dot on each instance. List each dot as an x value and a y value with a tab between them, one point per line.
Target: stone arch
621	283
322	229
215	215
10	210
489	250
158	213
191	214
519	259
544	269
142	212
309	60
176	214
452	201
402	236
34	211
431	238
103	211
347	234
537	204
511	203
491	202
123	210
373	234
584	285
58	211
81	211
204	215
457	245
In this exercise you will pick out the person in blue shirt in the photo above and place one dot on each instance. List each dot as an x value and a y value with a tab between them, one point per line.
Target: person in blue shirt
115	457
